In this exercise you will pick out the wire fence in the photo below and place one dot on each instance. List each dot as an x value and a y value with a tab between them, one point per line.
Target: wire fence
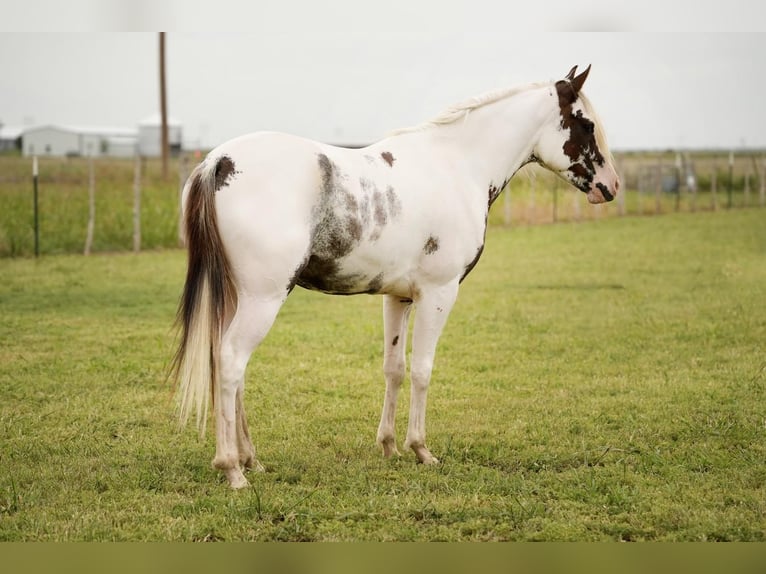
652	184
82	205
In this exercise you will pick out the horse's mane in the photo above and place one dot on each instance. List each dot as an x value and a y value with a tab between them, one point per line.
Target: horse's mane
460	110
601	142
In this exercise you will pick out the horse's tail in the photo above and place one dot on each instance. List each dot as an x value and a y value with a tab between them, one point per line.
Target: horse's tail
209	296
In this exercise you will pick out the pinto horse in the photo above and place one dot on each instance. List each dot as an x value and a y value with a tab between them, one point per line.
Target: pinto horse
405	218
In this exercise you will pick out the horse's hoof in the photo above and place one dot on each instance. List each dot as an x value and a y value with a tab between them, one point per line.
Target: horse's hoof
236	479
424	456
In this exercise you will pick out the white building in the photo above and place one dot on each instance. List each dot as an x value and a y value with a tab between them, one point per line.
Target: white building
145	140
150	136
79	141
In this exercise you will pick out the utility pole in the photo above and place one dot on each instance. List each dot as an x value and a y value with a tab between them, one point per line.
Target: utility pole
163	109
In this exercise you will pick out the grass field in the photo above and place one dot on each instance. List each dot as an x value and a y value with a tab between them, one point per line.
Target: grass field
596	381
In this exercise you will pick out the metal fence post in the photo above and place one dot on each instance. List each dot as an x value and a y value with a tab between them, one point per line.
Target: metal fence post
36	206
91	206
137	205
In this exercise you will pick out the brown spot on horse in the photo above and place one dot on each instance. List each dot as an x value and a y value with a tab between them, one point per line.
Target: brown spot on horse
431	246
224	168
388	157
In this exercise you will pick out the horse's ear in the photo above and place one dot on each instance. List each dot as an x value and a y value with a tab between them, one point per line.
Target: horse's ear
570	75
578	81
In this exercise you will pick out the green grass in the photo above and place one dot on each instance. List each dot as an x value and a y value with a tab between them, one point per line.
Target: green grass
596	381
63	205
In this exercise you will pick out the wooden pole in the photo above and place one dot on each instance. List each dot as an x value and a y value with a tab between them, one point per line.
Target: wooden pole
731	180
576	198
91	206
621	196
680	178
658	188
137	205
692	183
163	109
36	206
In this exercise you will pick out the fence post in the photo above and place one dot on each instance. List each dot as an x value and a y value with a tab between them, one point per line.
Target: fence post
621	196
691	182
35	178
714	187
91	206
137	205
658	188
532	191
681	185
731	180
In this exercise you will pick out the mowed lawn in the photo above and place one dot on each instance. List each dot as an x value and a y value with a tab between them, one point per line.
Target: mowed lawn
596	381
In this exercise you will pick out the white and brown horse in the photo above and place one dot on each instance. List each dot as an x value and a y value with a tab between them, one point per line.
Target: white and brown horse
404	218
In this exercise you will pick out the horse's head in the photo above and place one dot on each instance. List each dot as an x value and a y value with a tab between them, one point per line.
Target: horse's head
573	145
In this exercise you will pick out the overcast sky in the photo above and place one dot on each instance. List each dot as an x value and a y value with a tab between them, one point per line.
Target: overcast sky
348	71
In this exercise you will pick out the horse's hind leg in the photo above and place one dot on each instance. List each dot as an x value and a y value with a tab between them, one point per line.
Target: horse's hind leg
244	443
396	311
250	324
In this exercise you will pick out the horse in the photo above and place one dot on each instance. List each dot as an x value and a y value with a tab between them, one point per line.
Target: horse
404	218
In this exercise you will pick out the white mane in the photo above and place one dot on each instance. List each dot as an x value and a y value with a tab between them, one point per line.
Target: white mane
458	111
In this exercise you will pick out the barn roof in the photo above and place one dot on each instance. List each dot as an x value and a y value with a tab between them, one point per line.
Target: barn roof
88	130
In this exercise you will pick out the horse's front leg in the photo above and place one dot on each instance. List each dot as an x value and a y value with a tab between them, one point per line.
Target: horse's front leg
396	312
433	308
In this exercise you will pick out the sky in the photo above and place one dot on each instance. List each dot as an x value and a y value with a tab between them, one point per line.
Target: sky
674	75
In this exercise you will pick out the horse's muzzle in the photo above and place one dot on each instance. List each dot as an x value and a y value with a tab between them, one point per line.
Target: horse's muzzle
604	190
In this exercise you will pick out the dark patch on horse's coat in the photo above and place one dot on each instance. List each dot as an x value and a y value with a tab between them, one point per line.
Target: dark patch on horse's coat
495	191
395	341
375	284
340	222
581	146
354	228
394	205
472	264
388	157
605	191
224	168
380	214
431	246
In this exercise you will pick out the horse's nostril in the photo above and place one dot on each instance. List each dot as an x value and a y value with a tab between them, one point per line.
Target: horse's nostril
617	185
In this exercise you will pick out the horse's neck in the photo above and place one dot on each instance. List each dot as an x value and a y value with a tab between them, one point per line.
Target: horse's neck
496	139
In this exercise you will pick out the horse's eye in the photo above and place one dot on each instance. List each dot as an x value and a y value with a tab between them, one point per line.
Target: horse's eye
589	127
